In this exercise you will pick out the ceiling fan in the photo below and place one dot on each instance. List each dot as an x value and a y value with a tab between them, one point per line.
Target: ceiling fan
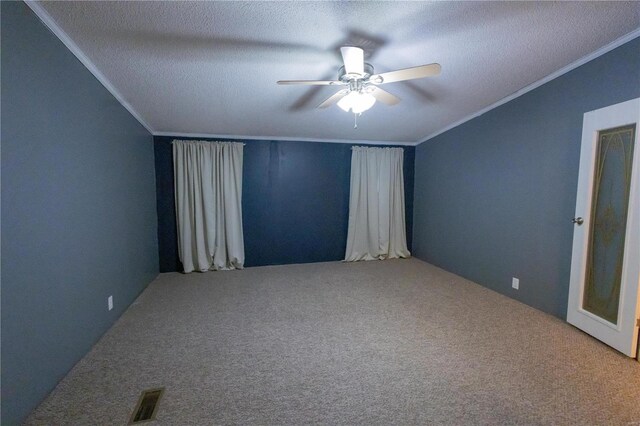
362	91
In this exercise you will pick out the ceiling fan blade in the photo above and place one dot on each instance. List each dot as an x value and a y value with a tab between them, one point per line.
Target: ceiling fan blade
406	74
384	96
334	98
312	82
353	58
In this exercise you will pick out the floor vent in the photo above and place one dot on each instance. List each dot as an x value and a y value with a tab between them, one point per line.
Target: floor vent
147	406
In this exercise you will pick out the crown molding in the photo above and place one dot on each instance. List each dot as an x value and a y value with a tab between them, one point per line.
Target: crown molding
48	21
591	56
280	138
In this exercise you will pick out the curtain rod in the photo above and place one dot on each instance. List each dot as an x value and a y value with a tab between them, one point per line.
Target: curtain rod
376	147
200	140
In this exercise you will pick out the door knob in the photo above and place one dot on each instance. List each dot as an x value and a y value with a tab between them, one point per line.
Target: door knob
577	220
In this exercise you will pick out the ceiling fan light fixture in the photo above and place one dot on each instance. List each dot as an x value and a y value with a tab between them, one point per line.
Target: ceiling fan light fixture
362	91
357	102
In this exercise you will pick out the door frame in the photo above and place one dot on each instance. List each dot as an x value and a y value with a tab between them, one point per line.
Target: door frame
622	336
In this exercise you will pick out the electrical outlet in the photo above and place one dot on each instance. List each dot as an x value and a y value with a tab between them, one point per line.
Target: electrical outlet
110	302
515	283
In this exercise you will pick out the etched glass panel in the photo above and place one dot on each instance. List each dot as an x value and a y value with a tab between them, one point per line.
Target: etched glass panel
612	180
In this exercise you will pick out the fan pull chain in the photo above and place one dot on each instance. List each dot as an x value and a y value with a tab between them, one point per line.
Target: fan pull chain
355	121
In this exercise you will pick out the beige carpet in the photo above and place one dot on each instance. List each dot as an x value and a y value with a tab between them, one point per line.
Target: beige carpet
383	342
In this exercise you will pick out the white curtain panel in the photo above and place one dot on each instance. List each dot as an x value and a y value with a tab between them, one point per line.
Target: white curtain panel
208	192
376	205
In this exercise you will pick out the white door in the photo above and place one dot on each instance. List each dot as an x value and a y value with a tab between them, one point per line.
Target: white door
604	298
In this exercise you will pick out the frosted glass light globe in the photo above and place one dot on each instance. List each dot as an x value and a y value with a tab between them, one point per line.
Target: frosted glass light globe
357	102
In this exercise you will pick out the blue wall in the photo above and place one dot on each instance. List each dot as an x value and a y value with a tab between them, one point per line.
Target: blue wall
78	210
494	197
295	201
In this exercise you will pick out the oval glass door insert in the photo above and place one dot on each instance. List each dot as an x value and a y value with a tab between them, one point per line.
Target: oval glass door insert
608	224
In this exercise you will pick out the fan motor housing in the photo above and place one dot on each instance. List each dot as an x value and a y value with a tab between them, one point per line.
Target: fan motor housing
344	77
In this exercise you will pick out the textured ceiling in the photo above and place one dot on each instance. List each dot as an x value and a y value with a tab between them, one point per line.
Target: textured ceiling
212	67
